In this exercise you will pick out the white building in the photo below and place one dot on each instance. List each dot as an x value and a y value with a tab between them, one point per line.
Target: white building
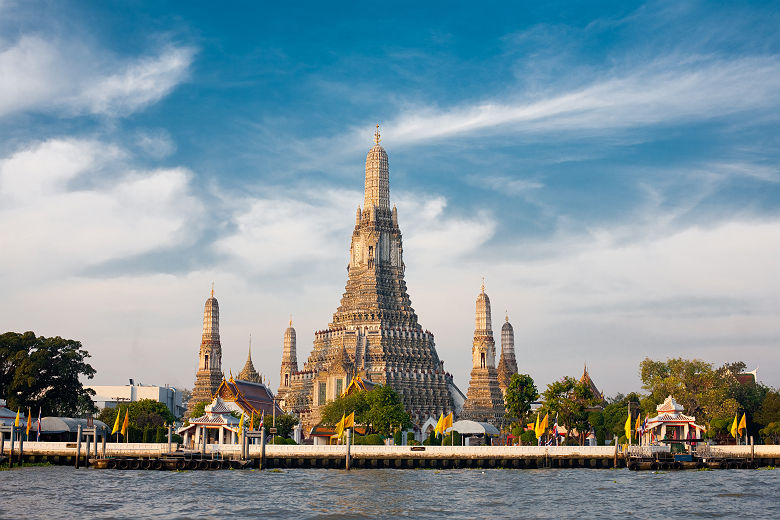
111	396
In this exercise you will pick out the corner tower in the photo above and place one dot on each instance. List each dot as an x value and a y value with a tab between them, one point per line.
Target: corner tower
209	374
484	400
507	365
289	363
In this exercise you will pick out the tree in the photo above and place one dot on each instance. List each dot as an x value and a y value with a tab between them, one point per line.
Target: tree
616	413
769	412
569	399
702	391
45	373
520	393
146	413
199	410
381	408
284	424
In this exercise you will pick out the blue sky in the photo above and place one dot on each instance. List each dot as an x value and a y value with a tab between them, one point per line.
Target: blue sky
610	169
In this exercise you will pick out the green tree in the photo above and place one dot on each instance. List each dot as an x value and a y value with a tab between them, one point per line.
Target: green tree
199	410
520	393
569	399
380	408
146	413
769	411
702	391
45	373
284	423
616	413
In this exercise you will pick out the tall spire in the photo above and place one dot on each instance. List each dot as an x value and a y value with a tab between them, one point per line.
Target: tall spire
209	374
377	177
248	373
483	320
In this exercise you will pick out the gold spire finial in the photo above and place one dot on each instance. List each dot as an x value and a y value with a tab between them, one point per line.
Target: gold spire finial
506	315
290	320
483	284
377	136
212	289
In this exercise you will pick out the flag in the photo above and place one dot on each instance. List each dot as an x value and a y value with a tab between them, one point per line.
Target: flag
733	430
252	421
116	421
447	423
16	422
125	423
29	423
340	426
555	426
38	437
545	423
349	422
644	426
638	425
536	427
439	423
241	425
628	427
742	425
262	420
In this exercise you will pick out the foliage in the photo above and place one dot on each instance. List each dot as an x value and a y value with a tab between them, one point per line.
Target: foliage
448	440
199	410
520	393
373	439
146	413
380	409
39	372
284	423
528	438
569	399
596	421
769	411
771	434
278	439
616	412
702	391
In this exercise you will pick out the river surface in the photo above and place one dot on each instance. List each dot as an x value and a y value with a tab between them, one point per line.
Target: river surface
64	492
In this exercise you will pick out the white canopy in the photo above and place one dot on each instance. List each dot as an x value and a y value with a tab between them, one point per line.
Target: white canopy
465	427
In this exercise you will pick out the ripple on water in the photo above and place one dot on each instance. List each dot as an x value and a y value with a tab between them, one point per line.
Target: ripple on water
51	492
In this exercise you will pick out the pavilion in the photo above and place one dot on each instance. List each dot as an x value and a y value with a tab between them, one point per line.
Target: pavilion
218	425
671	423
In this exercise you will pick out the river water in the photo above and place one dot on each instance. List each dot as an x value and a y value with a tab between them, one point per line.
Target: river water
64	492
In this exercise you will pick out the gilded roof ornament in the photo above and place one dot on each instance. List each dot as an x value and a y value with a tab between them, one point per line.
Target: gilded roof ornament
212	289
377	136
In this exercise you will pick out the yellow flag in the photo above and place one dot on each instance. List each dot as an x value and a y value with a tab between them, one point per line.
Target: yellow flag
638	424
252	421
536	427
447	423
628	427
340	426
349	422
545	421
742	425
29	422
241	425
126	422
439	423
733	430
116	421
16	422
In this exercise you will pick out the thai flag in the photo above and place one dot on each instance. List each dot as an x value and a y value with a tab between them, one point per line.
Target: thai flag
262	420
549	441
555	427
644	427
38	435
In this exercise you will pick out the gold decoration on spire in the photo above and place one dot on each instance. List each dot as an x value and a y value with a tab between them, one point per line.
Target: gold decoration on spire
377	136
483	284
212	289
290	320
506	315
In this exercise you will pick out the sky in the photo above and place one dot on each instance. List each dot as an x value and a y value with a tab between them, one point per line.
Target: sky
610	168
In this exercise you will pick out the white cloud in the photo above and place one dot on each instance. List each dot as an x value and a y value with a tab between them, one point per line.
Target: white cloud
37	74
56	228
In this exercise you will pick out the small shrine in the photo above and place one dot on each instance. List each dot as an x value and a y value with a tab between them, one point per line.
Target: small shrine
218	425
671	423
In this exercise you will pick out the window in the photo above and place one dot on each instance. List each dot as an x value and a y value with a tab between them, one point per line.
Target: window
339	387
206	363
482	360
323	396
287	380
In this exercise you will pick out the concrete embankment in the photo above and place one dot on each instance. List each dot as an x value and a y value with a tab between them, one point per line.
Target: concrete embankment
306	456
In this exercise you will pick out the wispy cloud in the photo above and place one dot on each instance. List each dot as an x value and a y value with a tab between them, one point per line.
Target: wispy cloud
68	78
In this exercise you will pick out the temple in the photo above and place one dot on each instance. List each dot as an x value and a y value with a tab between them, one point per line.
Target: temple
507	365
375	332
209	374
484	400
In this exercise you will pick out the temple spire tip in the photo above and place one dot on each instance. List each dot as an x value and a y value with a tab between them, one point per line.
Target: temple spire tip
377	136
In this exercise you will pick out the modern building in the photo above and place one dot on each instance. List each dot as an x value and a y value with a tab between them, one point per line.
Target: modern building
375	333
484	400
111	396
